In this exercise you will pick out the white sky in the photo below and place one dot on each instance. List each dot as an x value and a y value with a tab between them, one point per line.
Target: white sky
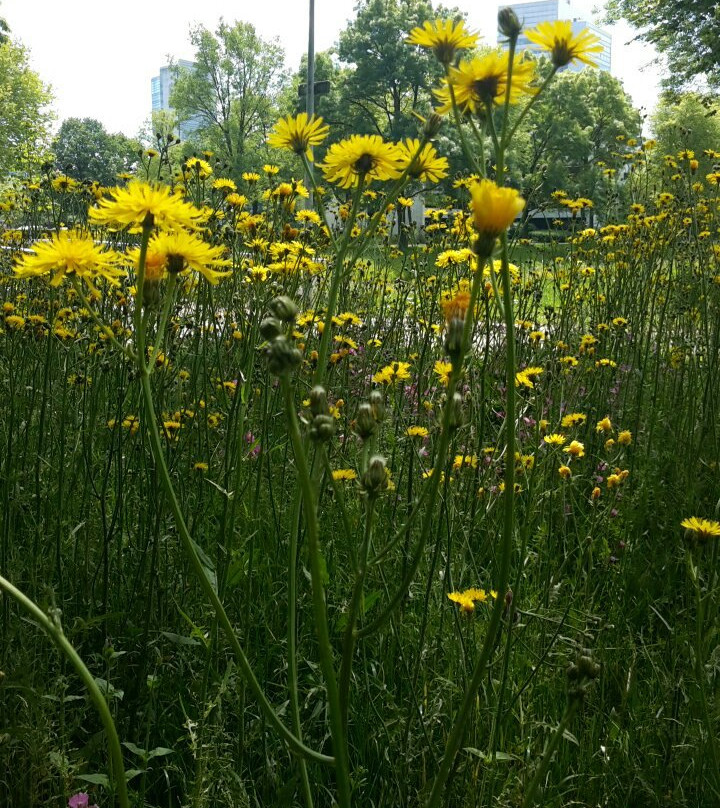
99	56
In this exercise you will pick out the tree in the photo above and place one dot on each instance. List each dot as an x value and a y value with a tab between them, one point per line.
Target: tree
571	137
232	91
684	30
85	151
24	114
687	121
391	79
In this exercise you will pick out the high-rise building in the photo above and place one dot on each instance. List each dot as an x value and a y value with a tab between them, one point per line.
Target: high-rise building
537	11
160	89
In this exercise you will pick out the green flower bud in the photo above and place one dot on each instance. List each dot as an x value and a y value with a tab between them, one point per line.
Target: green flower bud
318	401
365	424
508	24
454	338
322	428
377	405
270	328
282	357
375	479
284	309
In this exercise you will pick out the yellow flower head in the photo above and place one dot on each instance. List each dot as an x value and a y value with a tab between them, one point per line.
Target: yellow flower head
181	251
141	202
417	432
202	168
425	165
70	253
366	156
298	133
344	474
702	529
494	208
563	45
575	449
445	37
464	601
482	81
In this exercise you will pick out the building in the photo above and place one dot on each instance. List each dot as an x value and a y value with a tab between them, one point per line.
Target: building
161	88
537	11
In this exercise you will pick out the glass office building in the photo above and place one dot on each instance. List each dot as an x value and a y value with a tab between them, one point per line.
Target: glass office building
160	89
537	11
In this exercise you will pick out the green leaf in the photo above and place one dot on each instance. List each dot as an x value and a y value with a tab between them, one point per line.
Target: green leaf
96	779
159	751
136	750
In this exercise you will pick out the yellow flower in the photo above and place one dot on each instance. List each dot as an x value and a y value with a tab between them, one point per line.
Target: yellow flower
140	202
200	467
445	37
344	474
224	184
201	167
573	419
563	46
702	529
180	251
425	165
298	133
494	208
482	81
575	449
555	439
366	156
604	425
625	437
397	371
564	472
417	432
443	370
467	604
70	253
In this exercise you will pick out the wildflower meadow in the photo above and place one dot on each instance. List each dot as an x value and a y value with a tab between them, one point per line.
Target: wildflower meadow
308	501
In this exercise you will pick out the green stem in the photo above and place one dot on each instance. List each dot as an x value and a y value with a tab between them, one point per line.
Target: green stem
337	730
51	625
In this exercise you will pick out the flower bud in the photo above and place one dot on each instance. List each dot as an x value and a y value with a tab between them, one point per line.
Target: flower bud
454	338
377	405
432	126
365	424
375	479
318	401
151	293
456	411
270	328
322	428
508	24
282	357
284	309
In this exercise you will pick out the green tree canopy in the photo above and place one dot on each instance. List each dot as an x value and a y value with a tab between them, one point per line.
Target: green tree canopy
390	79
686	31
570	137
24	115
232	92
85	151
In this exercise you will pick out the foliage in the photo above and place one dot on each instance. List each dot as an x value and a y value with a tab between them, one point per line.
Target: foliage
24	116
232	92
389	80
85	151
569	140
685	31
687	121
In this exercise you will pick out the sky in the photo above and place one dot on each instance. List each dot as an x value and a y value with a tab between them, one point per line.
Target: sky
99	56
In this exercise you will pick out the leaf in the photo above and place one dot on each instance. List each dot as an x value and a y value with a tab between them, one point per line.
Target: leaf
136	750
159	751
96	779
207	564
570	737
178	639
499	756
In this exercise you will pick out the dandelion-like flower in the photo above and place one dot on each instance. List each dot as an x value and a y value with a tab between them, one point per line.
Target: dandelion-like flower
558	39
494	210
702	529
482	81
70	253
445	37
366	156
425	165
140	202
298	134
175	252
